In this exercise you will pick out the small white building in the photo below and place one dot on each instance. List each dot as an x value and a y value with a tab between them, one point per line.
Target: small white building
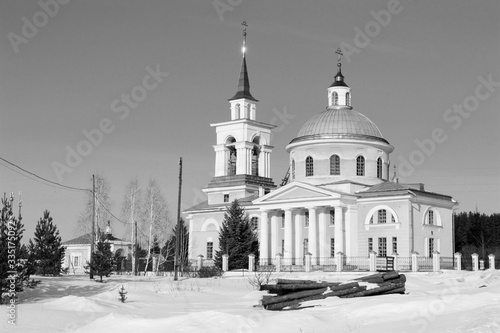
339	197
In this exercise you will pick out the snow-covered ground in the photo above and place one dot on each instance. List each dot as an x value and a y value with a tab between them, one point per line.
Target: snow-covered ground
447	301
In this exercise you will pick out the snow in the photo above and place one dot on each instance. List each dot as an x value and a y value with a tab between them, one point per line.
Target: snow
447	301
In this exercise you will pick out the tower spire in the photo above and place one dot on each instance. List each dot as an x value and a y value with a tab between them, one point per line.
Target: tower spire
243	82
339	78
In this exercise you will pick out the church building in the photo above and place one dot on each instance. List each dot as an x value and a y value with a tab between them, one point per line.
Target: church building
339	198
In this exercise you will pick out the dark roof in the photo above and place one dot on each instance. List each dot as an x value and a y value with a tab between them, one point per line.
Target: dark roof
85	239
391	188
243	84
339	78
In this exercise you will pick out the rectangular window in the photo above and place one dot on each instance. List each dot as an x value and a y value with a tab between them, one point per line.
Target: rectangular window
431	217
370	245
306	245
226	197
332	217
283	220
306	224
76	261
394	245
210	250
283	246
431	247
382	216
332	247
382	247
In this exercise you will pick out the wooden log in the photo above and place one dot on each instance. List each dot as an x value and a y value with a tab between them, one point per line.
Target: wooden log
292	296
294	302
395	291
391	275
340	293
402	278
377	290
370	277
287	288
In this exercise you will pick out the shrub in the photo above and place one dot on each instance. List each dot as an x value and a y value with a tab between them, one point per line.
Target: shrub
208	272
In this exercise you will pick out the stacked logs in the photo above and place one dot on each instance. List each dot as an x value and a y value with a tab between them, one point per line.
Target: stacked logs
291	293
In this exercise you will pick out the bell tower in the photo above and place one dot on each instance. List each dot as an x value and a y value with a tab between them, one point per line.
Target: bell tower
243	148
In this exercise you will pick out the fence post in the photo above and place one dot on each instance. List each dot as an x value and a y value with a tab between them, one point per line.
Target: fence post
491	257
340	261
436	261
225	265
278	262
251	262
414	261
475	261
396	256
200	261
458	260
308	261
373	261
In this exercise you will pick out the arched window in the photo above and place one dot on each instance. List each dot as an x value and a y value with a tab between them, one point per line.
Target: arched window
382	216
348	99
254	223
431	217
334	165
255	161
309	166
335	98
231	164
379	168
360	166
293	169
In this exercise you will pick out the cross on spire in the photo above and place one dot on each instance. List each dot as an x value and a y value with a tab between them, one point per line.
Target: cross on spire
245	25
340	54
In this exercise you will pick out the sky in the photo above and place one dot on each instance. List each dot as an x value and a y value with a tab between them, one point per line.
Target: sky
124	88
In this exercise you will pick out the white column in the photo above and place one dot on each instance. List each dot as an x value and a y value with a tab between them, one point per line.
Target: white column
299	247
339	230
323	245
248	152
313	238
264	236
262	163
275	247
288	237
241	162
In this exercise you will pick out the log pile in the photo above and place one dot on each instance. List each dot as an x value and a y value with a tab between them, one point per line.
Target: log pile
291	293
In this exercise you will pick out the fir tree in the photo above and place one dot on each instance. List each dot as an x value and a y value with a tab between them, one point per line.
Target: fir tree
122	294
236	238
168	250
12	265
46	250
103	260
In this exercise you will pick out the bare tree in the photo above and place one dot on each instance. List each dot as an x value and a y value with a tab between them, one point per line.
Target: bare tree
156	222
131	211
102	205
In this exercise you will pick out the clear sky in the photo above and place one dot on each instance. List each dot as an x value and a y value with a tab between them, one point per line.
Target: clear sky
422	70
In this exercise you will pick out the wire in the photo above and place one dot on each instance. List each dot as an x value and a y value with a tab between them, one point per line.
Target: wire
44	179
106	208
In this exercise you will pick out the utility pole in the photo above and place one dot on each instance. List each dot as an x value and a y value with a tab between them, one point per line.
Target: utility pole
178	232
134	230
92	236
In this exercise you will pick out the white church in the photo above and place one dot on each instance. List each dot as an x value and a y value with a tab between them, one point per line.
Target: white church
339	198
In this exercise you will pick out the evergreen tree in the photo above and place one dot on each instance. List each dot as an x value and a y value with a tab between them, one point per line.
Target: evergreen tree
46	250
12	265
168	250
236	238
103	260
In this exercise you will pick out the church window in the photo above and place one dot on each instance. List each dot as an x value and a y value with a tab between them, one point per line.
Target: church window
255	161
332	217
210	250
226	197
334	165
231	165
382	247
382	216
393	220
309	166
394	245
306	245
282	220
332	247
371	220
348	99
370	245
335	98
306	224
254	223
379	168
293	169
431	247
282	246
431	217
360	166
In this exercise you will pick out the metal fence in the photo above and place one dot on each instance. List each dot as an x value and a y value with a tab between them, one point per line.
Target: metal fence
447	262
425	264
354	264
404	263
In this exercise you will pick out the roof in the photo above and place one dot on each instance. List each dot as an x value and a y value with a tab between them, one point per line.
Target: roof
247	201
339	123
85	239
339	78
243	83
388	188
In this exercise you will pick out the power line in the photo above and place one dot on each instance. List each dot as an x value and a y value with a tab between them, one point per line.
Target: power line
106	208
44	179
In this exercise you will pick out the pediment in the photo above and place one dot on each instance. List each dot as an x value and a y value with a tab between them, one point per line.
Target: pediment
297	191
